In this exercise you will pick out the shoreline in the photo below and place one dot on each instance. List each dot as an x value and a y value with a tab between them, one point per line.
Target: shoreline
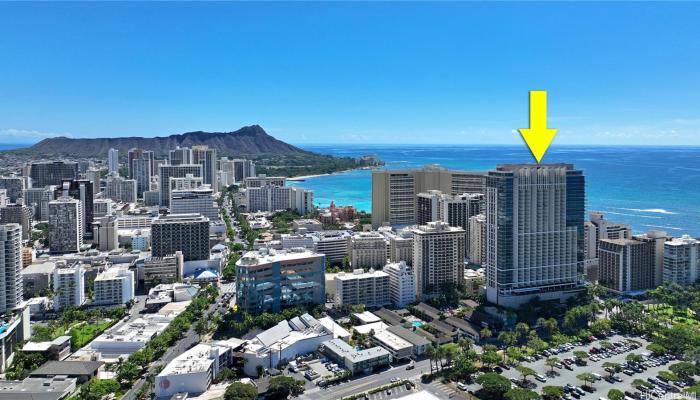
302	178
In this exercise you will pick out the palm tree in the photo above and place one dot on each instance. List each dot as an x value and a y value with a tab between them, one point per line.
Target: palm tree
441	353
430	352
552	362
586	377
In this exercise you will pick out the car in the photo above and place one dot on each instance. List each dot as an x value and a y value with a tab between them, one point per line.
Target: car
617	378
388	392
540	378
628	372
567	366
462	386
395	379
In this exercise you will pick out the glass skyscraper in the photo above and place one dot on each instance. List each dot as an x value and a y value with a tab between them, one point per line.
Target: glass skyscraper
534	232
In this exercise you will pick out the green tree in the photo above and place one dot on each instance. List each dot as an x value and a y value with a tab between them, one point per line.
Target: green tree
551	363
521	394
586	377
657	349
281	387
612	367
616	394
490	358
581	355
525	371
493	385
668	375
683	369
240	391
632	357
486	333
552	392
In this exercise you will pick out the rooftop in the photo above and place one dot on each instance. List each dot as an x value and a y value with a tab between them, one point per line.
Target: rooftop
37	388
197	359
343	349
267	255
286	334
68	368
360	274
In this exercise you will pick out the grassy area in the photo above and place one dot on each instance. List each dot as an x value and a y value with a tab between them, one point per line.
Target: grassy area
82	333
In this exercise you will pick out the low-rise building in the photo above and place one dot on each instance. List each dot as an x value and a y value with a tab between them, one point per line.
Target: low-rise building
360	287
57	349
192	371
56	388
82	371
283	343
419	343
399	348
157	270
356	361
36	278
307	225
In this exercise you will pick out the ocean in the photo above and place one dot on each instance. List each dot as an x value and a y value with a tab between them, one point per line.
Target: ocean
646	187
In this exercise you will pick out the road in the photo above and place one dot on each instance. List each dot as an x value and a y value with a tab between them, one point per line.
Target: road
364	383
189	339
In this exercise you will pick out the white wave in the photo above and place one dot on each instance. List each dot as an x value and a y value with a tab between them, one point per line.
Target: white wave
674	228
651	210
631	215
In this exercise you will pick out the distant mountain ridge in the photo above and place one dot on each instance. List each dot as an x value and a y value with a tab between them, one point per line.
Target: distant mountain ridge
247	141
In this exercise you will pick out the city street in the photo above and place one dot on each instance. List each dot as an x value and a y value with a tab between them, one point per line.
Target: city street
364	383
183	344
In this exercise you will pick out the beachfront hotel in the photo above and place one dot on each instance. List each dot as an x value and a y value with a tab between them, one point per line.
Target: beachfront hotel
394	192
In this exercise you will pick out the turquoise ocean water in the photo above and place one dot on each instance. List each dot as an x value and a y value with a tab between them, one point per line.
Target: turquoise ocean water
646	187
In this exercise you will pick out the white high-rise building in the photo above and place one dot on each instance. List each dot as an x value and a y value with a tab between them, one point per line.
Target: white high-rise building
368	250
226	172
10	267
194	201
68	287
114	286
476	252
274	198
534	233
206	157
360	287
120	190
113	161
402	284
438	256
681	260
65	225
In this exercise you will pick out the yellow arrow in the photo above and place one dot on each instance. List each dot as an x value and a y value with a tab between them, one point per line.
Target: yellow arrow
538	137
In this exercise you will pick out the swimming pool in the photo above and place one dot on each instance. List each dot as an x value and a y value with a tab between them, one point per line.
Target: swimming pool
417	324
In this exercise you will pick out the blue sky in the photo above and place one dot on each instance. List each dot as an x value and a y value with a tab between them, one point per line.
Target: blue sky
620	73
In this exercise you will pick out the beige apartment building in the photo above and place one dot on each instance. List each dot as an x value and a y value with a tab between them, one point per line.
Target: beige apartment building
394	191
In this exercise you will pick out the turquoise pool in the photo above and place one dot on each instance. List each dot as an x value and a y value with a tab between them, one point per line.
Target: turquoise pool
417	324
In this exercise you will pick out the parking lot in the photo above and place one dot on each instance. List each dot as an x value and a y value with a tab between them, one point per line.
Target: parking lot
565	376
